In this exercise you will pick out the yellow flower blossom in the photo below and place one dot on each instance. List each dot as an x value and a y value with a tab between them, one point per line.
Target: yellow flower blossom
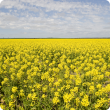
43	96
55	100
11	104
67	97
85	101
14	89
72	108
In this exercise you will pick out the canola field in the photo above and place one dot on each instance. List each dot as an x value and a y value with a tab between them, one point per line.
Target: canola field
54	74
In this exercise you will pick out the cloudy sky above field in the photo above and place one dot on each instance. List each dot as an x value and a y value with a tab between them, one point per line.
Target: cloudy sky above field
54	18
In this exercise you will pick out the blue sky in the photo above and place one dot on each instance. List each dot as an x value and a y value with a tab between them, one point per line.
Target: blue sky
54	18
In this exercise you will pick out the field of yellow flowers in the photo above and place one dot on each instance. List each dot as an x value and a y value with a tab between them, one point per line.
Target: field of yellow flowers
54	74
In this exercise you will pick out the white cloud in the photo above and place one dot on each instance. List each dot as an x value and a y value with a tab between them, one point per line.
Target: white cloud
54	16
10	18
107	28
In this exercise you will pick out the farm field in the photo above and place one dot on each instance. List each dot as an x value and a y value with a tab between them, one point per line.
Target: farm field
54	74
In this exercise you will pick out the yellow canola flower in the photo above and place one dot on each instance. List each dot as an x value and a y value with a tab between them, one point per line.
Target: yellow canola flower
107	74
67	97
100	77
11	104
55	100
68	86
12	96
21	93
72	77
5	81
34	97
38	86
85	101
44	89
75	89
88	73
72	67
68	61
68	82
57	83
99	92
82	93
94	72
107	88
2	107
67	105
99	86
29	96
43	96
12	77
25	81
62	88
51	79
14	89
78	81
34	74
77	101
19	75
60	66
33	90
91	89
46	61
100	103
66	75
56	94
45	76
2	82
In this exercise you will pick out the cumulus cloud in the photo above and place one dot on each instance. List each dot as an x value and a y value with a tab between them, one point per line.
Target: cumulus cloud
54	16
107	28
10	18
